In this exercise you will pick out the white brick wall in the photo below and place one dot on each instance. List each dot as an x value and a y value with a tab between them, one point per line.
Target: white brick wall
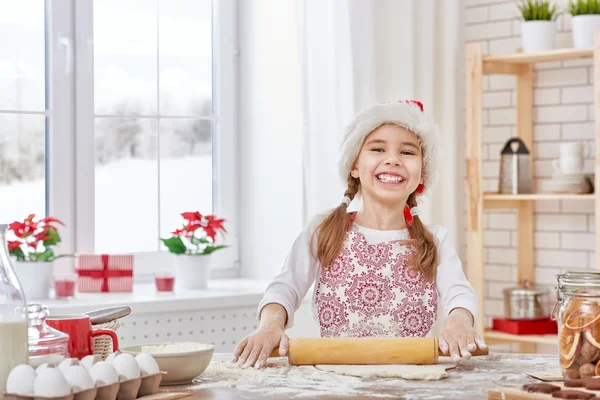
563	111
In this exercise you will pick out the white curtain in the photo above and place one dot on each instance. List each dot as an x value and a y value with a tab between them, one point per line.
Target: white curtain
356	52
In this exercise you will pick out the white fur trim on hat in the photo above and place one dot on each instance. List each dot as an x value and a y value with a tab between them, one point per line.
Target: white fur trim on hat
406	114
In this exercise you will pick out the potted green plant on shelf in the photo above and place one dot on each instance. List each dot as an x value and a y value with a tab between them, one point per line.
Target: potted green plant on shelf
193	244
586	20
538	29
32	248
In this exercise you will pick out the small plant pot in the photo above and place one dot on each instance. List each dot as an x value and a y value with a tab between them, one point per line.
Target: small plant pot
36	278
583	29
192	271
538	36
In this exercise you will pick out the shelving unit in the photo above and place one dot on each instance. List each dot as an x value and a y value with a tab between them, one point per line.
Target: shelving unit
520	66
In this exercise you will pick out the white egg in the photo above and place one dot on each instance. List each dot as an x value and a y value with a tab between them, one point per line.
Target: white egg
112	356
21	380
147	364
79	378
66	363
50	382
126	366
88	361
104	373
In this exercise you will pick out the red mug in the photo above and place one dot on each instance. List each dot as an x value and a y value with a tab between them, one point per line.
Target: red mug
81	334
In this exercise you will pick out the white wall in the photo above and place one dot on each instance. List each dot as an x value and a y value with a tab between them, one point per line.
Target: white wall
270	136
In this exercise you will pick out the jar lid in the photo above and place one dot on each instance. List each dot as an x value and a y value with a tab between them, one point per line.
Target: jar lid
44	339
579	283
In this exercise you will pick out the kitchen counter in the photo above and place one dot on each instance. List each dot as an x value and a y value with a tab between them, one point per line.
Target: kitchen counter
471	379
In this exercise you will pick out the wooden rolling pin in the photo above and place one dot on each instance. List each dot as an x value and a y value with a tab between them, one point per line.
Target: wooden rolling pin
364	351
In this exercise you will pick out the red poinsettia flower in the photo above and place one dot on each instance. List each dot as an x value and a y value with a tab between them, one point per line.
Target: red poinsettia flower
177	232
13	244
192	216
42	235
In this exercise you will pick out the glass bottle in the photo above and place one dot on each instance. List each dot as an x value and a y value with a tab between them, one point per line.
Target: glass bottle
46	344
13	315
577	312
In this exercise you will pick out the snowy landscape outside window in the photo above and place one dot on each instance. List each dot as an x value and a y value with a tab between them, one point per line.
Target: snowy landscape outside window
117	116
23	111
153	119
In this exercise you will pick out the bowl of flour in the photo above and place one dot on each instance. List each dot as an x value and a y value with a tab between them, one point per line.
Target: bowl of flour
182	361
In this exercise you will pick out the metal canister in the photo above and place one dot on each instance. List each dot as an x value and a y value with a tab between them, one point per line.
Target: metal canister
515	170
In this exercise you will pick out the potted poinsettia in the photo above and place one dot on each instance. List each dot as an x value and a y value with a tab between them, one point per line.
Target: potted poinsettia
193	244
33	253
538	29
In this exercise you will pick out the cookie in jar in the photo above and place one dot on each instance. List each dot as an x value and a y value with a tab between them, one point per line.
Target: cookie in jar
577	313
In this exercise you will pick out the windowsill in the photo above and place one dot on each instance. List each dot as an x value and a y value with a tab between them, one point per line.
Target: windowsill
221	293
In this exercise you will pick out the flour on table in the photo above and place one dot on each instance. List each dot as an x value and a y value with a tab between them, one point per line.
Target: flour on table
296	381
416	372
305	381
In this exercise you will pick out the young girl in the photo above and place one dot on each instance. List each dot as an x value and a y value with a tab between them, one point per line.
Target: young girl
379	271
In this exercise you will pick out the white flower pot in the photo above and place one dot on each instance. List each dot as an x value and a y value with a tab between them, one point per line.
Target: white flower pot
538	36
36	278
583	27
192	272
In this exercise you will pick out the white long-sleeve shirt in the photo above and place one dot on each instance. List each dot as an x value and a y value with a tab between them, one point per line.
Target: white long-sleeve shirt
301	269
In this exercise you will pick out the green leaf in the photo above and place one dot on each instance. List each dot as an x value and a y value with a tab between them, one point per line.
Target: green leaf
210	249
18	252
175	245
54	238
45	256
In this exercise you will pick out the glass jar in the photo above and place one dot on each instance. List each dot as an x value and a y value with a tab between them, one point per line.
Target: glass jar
13	317
46	344
577	313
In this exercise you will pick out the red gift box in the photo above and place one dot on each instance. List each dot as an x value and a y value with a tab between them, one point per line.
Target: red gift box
104	273
543	326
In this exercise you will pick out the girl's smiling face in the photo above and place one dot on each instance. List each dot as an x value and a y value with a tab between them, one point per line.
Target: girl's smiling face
389	165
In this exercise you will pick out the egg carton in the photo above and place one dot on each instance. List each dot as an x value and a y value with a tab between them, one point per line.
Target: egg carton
126	390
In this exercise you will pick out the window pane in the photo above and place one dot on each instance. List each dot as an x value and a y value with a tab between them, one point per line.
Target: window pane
22	166
125	55
22	61
185	50
185	170
126	185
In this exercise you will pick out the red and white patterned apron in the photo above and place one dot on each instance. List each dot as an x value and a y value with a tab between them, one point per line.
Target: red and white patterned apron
369	290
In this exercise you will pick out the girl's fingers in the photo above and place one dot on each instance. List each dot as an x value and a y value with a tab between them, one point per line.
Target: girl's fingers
462	345
238	349
471	346
263	356
246	353
480	342
442	344
283	345
253	355
454	351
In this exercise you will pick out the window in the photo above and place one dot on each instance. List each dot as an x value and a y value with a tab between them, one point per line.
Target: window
119	117
153	119
23	111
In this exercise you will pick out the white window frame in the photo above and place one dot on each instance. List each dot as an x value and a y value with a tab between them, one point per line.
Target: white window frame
72	143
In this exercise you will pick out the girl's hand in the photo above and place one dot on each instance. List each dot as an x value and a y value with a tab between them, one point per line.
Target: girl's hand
459	337
255	348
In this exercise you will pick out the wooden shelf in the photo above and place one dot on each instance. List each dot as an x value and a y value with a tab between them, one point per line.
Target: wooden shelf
502	337
520	66
537	196
532	58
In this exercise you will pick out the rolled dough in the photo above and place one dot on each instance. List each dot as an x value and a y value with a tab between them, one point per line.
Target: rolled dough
415	372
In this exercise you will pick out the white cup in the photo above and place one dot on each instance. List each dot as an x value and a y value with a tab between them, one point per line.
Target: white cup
569	165
574	150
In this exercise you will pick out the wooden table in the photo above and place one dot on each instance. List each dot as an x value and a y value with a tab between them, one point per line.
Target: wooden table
471	379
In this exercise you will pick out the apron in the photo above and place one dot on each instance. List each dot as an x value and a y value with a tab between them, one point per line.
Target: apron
369	291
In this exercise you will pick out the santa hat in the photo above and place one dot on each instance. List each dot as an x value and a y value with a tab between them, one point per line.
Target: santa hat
408	114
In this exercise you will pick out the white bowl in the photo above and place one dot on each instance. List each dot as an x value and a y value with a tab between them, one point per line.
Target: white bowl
181	367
